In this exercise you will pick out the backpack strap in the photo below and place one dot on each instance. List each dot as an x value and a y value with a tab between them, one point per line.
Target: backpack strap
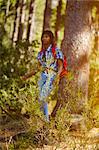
54	51
65	63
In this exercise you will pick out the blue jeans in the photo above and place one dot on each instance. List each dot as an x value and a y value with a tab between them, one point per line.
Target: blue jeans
45	111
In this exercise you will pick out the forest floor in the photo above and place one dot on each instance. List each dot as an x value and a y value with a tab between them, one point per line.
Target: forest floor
11	130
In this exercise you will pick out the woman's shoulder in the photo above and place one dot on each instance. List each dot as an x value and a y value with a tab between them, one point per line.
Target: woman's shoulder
58	49
59	53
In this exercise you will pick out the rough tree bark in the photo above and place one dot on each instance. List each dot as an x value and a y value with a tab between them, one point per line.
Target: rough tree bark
24	19
47	15
31	8
32	29
20	26
76	45
58	19
14	26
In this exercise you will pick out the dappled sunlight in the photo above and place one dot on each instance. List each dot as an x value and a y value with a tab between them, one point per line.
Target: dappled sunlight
73	99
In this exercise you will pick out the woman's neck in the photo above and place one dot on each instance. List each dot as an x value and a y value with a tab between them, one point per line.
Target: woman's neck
45	47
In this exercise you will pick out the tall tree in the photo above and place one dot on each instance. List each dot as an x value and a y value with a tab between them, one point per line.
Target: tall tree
76	44
15	22
31	8
7	10
20	25
47	15
58	19
25	19
32	29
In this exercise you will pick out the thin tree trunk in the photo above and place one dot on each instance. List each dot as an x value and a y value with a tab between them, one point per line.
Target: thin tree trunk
31	8
7	11
47	15
15	20
20	26
24	19
76	44
32	29
58	19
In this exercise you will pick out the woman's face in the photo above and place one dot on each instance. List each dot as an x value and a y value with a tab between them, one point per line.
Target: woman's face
46	39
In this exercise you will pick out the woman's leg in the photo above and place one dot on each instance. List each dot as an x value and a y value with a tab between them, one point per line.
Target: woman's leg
45	109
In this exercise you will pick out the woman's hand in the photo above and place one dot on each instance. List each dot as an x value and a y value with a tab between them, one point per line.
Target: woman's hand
25	77
33	72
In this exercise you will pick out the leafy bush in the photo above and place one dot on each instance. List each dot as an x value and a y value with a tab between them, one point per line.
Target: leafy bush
14	62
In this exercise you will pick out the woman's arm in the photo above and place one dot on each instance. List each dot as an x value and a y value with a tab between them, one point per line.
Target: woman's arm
31	73
60	66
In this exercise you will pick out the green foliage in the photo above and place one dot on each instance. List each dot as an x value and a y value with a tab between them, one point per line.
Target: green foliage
13	2
14	62
19	98
3	4
93	96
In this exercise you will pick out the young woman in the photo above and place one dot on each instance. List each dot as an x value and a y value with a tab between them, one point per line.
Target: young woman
52	68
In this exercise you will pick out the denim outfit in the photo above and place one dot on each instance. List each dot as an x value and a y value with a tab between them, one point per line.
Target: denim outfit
45	83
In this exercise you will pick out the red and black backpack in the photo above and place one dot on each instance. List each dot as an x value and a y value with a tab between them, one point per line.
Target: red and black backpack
64	71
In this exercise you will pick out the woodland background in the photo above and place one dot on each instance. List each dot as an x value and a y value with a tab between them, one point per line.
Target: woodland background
75	25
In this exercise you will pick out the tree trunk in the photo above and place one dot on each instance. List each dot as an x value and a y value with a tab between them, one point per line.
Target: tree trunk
47	15
58	19
14	26
7	11
24	19
76	45
20	26
32	29
31	8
